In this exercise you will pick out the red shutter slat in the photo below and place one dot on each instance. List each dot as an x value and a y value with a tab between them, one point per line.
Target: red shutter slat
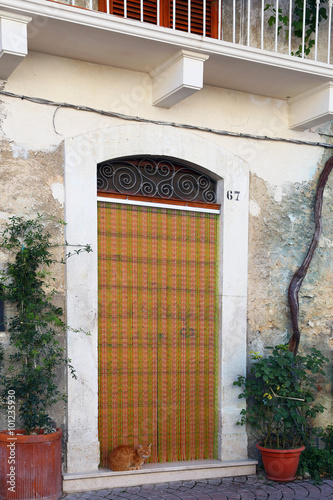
166	13
133	10
196	16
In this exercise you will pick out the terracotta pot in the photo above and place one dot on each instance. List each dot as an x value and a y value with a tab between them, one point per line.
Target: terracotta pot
280	465
30	466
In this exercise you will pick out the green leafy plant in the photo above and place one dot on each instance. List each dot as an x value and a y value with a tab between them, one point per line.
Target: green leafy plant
280	394
36	323
318	461
326	436
297	22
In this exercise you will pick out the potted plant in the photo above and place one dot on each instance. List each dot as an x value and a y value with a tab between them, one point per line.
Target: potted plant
30	447
280	394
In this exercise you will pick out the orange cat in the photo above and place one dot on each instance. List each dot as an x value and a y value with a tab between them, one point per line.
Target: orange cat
128	458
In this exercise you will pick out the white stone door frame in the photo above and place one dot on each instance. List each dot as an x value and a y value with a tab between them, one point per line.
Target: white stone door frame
82	154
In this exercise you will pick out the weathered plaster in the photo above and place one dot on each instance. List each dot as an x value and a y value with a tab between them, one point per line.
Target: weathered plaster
279	237
27	177
26	180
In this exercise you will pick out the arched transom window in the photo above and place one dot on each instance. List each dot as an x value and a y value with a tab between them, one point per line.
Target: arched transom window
157	178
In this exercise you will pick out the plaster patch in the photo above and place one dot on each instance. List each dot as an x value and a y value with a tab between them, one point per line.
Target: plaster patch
259	101
279	164
256	345
58	192
313	171
325	242
29	126
254	208
20	151
278	194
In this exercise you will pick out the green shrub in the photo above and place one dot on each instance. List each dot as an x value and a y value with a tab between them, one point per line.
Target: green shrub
318	463
317	458
280	396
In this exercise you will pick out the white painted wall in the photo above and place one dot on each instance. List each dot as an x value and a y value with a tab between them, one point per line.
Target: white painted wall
34	126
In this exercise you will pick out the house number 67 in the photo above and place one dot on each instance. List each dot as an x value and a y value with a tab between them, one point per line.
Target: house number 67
233	195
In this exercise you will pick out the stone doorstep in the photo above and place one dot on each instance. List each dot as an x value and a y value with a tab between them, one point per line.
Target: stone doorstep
157	473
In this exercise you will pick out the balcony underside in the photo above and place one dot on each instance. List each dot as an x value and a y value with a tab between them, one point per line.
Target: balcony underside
65	31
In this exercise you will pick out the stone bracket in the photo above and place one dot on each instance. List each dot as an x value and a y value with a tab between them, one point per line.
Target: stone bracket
177	78
311	108
13	41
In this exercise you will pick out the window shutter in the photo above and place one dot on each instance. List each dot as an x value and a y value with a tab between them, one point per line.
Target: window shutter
197	17
166	13
133	9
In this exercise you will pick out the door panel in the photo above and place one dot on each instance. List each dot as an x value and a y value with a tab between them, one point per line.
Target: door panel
158	347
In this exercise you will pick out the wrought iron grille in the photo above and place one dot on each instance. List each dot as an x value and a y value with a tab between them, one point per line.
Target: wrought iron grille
156	178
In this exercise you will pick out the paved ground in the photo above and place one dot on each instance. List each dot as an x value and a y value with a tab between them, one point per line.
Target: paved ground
237	488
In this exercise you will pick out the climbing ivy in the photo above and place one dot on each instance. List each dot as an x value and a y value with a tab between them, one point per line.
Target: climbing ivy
36	353
297	22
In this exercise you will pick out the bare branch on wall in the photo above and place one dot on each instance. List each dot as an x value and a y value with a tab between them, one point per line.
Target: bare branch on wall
299	275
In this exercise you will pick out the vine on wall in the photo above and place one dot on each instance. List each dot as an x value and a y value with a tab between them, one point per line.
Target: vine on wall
297	22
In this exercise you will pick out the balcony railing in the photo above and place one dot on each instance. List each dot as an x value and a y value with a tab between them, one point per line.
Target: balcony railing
300	28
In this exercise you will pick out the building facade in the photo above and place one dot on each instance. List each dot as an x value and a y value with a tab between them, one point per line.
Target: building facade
183	141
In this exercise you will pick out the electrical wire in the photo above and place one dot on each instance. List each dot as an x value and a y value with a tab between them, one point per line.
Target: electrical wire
113	114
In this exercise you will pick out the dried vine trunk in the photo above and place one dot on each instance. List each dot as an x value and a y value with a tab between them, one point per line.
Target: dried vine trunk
299	275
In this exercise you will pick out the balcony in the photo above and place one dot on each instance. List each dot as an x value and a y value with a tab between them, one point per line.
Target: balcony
276	26
242	45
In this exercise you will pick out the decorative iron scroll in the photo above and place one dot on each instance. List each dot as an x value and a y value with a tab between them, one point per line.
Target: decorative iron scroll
155	178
